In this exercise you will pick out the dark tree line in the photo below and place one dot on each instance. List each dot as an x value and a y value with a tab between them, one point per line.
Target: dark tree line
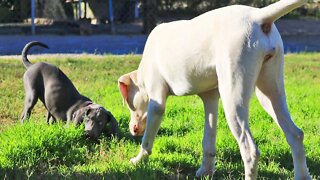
19	10
173	9
195	7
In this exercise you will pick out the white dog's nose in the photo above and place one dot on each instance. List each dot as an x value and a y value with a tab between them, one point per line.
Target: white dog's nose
135	128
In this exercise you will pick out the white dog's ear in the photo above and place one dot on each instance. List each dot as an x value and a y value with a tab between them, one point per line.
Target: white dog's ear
124	84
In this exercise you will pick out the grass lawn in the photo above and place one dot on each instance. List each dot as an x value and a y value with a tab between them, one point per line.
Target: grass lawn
36	150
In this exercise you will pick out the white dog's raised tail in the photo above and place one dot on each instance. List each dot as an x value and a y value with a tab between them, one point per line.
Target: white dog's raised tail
271	13
276	10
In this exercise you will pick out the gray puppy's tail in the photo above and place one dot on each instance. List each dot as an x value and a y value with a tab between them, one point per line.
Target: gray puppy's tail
25	50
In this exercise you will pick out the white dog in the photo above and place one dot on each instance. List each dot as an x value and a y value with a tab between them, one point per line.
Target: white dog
227	53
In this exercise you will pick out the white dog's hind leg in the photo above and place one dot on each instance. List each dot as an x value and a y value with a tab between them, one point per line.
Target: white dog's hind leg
271	94
210	100
236	79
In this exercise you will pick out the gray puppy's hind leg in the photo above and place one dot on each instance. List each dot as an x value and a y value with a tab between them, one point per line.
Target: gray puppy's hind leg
50	118
30	100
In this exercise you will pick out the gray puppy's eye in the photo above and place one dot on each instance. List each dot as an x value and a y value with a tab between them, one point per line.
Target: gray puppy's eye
88	112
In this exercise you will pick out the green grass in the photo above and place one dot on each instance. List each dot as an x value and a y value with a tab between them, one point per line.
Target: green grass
36	150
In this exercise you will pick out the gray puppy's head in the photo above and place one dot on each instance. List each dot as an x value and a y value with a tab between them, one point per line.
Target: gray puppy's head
95	119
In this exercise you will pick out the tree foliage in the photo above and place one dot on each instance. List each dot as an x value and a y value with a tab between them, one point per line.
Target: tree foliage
195	7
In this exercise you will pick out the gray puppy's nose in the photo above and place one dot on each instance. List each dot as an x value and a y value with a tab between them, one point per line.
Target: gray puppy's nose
87	134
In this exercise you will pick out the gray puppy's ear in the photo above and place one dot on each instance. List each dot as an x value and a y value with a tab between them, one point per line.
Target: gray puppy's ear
114	129
78	116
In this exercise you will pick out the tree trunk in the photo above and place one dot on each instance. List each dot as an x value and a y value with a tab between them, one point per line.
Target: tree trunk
24	8
150	13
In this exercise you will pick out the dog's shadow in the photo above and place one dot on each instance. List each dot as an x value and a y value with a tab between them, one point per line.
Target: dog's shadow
236	169
284	161
177	170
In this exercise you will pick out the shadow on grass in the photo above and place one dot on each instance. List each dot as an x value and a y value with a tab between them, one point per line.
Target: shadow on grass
181	170
287	163
314	167
237	171
168	169
138	173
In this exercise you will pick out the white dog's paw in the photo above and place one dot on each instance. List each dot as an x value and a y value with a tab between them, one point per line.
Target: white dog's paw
204	172
135	160
143	154
305	177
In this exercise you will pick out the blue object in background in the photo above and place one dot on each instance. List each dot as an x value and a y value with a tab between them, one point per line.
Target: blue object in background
97	44
119	44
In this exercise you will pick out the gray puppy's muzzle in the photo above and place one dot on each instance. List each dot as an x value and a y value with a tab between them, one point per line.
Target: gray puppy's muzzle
95	119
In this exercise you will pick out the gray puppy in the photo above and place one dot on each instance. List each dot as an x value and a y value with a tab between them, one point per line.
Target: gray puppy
62	100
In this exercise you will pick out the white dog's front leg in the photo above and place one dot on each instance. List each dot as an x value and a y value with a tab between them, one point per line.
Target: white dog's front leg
154	117
210	100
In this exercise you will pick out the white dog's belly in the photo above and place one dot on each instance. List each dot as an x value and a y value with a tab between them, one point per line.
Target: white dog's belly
194	81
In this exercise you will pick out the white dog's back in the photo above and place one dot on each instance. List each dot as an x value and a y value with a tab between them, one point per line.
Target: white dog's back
194	46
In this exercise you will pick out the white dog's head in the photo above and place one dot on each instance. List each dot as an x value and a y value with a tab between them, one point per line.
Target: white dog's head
137	101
